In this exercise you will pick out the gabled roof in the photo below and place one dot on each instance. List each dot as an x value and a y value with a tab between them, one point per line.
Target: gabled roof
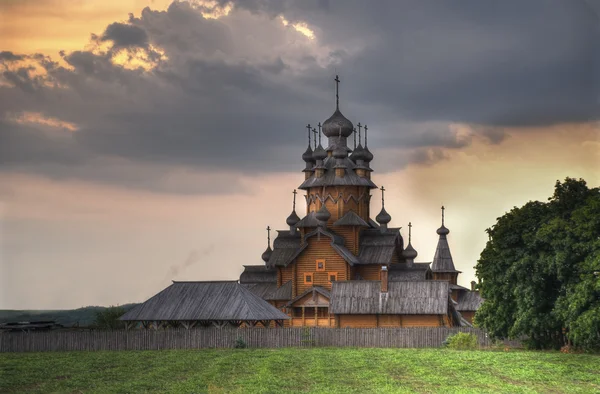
351	219
365	297
442	260
309	220
222	301
378	247
337	243
329	179
469	301
324	292
263	290
258	274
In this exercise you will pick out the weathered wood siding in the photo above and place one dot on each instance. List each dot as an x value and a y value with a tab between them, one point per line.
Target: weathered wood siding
306	263
226	338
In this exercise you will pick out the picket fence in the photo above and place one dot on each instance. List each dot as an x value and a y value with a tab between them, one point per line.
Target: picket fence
227	337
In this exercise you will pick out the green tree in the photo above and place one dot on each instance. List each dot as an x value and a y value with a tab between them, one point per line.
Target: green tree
539	270
108	318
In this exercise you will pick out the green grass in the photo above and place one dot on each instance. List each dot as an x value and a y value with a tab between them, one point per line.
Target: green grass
328	370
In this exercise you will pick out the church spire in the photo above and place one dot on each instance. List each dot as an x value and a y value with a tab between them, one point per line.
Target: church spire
442	260
337	92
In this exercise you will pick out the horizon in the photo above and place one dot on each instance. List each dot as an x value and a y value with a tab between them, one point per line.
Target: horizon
157	146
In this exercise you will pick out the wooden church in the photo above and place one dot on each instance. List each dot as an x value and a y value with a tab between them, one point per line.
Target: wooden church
337	267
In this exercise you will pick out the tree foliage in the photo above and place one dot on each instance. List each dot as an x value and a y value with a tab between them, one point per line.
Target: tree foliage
540	270
108	319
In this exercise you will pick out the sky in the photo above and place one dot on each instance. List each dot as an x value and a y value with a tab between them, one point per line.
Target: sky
149	141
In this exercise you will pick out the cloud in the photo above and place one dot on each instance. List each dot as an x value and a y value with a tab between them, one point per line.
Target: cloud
232	92
125	36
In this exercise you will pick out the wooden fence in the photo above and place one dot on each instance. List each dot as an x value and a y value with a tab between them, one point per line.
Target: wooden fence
227	337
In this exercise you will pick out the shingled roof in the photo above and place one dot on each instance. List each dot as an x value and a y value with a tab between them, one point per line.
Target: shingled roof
469	301
404	272
212	301
329	179
442	260
365	297
258	274
378	247
285	248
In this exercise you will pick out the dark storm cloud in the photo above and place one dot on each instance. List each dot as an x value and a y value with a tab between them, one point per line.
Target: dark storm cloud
232	94
125	36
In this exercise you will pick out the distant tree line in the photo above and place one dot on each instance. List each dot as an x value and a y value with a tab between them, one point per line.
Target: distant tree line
540	271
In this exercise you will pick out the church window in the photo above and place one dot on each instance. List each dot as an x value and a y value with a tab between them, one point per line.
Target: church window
308	278
321	265
332	276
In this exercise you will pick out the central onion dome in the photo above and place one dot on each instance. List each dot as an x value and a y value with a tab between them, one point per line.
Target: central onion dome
337	121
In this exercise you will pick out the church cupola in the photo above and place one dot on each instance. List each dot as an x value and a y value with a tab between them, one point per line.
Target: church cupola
293	219
337	124
409	253
358	156
383	218
307	156
368	156
267	253
323	215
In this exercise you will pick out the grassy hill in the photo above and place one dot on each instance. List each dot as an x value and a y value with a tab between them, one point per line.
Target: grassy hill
67	317
331	370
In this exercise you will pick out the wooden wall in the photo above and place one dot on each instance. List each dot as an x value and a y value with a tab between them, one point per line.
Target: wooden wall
306	263
367	272
364	321
341	207
468	315
357	321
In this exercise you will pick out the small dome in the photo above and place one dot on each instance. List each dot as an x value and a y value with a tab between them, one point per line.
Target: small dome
409	253
323	214
293	219
368	155
308	155
358	154
267	254
442	230
331	127
319	153
383	217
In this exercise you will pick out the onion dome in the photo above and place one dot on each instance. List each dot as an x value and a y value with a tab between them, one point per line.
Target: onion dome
337	121
368	156
323	214
267	254
293	219
358	154
319	153
442	230
409	253
307	156
383	217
